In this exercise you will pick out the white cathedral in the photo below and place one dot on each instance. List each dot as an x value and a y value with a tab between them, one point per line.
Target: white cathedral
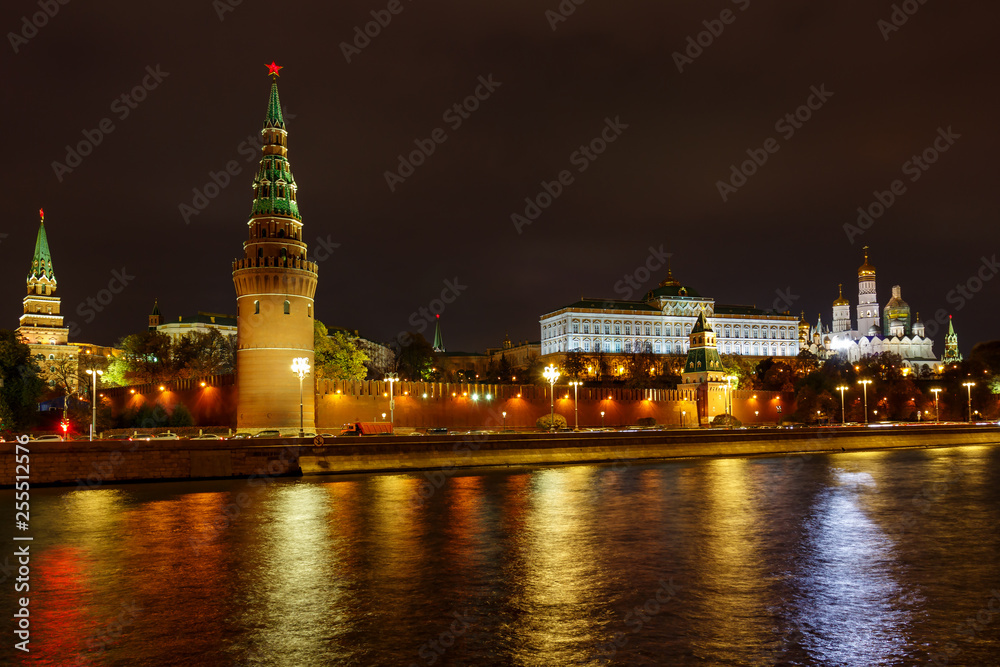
892	330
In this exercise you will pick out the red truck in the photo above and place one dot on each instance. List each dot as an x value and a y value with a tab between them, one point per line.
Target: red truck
367	428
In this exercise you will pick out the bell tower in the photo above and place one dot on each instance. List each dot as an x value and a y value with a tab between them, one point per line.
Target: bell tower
275	287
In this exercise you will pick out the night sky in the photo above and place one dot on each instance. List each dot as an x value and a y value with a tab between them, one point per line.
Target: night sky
779	239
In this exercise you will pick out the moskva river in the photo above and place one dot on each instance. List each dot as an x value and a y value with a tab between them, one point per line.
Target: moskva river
878	558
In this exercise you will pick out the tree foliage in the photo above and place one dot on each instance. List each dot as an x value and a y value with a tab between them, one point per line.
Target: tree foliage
22	385
336	355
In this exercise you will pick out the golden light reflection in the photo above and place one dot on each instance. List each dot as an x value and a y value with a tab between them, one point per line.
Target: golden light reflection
556	569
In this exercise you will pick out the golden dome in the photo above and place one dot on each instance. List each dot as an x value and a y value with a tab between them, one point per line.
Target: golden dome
866	270
841	301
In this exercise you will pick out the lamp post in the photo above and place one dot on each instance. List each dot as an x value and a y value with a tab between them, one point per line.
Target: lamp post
93	402
756	416
576	413
969	386
391	378
683	416
300	366
937	415
602	418
843	415
864	385
551	373
504	413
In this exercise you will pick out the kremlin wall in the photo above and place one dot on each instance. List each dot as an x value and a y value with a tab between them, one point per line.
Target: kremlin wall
423	405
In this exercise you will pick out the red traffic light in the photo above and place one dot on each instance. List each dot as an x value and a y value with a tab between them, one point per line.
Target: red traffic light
64	425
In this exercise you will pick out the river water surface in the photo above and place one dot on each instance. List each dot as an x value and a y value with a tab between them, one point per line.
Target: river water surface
875	558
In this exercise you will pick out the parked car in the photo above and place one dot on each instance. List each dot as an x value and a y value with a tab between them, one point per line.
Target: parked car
119	436
140	436
267	434
167	435
440	430
47	438
240	436
206	436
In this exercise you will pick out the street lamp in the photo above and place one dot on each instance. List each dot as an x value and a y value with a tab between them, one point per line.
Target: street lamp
576	414
551	373
843	415
504	413
602	418
864	385
300	366
937	415
683	416
391	378
969	386
756	416
93	402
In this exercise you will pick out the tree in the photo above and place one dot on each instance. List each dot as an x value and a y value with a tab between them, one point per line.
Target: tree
147	357
336	356
200	353
21	386
575	364
65	372
416	360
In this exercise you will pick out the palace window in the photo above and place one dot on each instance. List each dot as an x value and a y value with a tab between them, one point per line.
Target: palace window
607	328
576	327
649	329
618	346
628	346
668	347
656	330
586	327
656	347
618	328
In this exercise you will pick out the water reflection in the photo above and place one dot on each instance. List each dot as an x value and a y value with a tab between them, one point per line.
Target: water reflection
850	608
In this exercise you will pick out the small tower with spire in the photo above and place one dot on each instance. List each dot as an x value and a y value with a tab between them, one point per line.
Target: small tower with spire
951	354
41	325
155	319
275	287
703	367
438	338
868	308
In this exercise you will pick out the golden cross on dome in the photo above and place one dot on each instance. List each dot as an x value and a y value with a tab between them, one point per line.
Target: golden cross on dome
273	68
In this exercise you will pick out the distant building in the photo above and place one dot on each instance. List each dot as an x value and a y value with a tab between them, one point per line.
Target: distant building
662	322
894	330
519	355
951	354
200	322
41	325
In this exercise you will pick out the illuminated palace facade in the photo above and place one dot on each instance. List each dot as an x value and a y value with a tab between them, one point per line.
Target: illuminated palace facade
893	329
662	322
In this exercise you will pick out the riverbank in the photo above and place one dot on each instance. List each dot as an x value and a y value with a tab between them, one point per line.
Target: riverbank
90	464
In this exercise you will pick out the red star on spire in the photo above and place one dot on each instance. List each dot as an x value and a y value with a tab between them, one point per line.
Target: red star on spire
273	68
41	214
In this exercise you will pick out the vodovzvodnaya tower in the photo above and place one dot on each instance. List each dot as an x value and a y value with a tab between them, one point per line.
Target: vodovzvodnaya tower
275	288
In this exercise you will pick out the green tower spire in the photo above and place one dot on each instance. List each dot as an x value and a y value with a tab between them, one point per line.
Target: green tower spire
274	117
275	191
951	353
41	262
438	338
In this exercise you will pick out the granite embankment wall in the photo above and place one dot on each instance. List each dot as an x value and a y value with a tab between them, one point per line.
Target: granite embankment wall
451	405
92	464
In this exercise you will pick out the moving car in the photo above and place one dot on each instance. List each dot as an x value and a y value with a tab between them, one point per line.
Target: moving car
47	438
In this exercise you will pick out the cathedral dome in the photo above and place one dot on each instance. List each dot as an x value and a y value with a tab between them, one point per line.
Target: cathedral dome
866	270
841	301
874	330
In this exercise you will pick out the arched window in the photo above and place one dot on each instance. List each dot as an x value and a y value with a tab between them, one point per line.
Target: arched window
618	328
256	307
656	330
288	307
309	310
668	348
281	233
656	347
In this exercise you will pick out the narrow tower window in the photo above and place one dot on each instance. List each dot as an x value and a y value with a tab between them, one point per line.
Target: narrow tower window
288	307
256	307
